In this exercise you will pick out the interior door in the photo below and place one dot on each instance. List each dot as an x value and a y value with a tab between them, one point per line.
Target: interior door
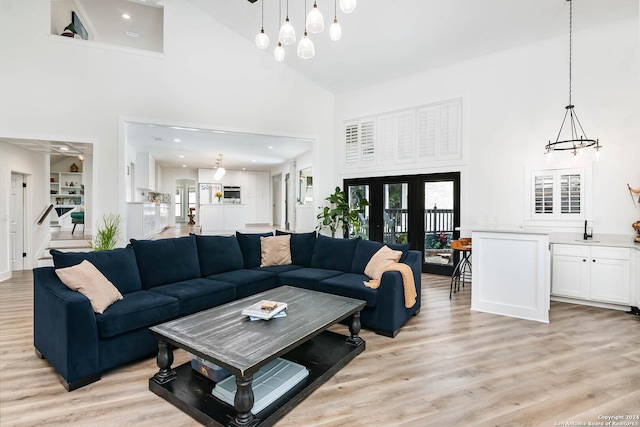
16	228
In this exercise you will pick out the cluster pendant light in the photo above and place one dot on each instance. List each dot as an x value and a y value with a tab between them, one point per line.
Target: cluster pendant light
575	143
313	24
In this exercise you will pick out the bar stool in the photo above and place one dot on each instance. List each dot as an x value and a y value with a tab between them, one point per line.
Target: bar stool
462	272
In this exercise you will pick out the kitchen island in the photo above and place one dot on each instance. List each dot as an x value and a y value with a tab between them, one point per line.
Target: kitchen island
222	218
511	273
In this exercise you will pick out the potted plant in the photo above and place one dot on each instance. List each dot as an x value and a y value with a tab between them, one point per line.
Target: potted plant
339	215
107	235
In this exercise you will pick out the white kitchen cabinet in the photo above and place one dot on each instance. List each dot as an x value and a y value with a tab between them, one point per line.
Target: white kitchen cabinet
570	271
145	219
593	273
610	275
256	195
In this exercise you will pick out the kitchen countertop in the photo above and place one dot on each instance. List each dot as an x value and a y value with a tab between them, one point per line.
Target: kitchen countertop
616	240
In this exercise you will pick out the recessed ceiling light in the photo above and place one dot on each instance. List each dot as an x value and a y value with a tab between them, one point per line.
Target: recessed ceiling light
184	166
126	16
270	147
181	156
64	148
244	169
176	140
254	160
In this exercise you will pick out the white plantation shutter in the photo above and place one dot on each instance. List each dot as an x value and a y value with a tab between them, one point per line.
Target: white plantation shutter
405	135
558	194
430	133
351	143
449	130
386	140
543	194
426	137
367	141
570	194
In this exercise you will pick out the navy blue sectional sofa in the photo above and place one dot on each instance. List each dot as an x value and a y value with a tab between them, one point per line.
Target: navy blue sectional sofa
161	280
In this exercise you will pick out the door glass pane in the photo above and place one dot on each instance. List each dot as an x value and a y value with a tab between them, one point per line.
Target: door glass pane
396	213
356	194
438	222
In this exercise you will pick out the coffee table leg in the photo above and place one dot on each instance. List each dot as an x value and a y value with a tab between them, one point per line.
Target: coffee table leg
164	361
354	328
243	403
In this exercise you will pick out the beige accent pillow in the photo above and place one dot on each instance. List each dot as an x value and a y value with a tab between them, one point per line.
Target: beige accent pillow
275	250
87	279
380	260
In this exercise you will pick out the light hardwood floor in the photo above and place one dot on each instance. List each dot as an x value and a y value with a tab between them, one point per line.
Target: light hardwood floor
448	366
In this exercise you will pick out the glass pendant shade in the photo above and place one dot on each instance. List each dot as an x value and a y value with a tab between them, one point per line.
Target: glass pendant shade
219	174
347	6
287	35
306	49
278	53
335	31
262	40
315	21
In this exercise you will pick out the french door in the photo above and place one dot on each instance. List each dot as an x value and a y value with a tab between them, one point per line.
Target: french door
421	210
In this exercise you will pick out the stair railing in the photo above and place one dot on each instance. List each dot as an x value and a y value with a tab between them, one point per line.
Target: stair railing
44	215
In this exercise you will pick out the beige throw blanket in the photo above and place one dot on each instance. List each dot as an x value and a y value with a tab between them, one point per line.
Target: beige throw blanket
409	284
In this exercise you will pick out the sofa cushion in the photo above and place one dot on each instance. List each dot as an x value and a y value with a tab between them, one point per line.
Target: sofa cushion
308	278
250	247
217	254
334	254
198	294
165	261
118	265
248	282
402	247
363	253
275	250
136	310
87	279
277	269
302	245
367	248
350	285
381	260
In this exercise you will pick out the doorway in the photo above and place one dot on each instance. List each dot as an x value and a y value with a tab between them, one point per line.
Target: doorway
421	210
276	184
16	231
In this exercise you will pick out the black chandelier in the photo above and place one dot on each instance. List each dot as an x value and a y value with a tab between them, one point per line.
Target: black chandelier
578	140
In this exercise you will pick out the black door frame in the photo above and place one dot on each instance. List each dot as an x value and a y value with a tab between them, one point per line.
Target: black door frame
416	232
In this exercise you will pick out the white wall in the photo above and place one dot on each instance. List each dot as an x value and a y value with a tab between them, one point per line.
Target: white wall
209	77
513	104
35	167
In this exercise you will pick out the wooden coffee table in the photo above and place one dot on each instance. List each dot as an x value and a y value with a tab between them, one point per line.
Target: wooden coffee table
223	336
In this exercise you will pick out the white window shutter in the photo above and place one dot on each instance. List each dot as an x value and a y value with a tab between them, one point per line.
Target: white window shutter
386	140
449	126
367	142
426	132
351	143
405	122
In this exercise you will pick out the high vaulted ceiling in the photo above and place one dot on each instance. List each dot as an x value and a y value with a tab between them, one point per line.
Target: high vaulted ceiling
387	39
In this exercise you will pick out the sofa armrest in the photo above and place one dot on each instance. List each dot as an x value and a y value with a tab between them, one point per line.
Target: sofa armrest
390	312
64	328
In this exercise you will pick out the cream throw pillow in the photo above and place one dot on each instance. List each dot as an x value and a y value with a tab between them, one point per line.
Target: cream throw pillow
380	260
275	250
87	279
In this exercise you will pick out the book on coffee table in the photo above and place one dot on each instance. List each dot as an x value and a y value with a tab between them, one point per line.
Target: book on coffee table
264	309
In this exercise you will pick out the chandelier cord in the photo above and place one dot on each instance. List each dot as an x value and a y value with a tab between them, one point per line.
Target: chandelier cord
262	4
570	44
